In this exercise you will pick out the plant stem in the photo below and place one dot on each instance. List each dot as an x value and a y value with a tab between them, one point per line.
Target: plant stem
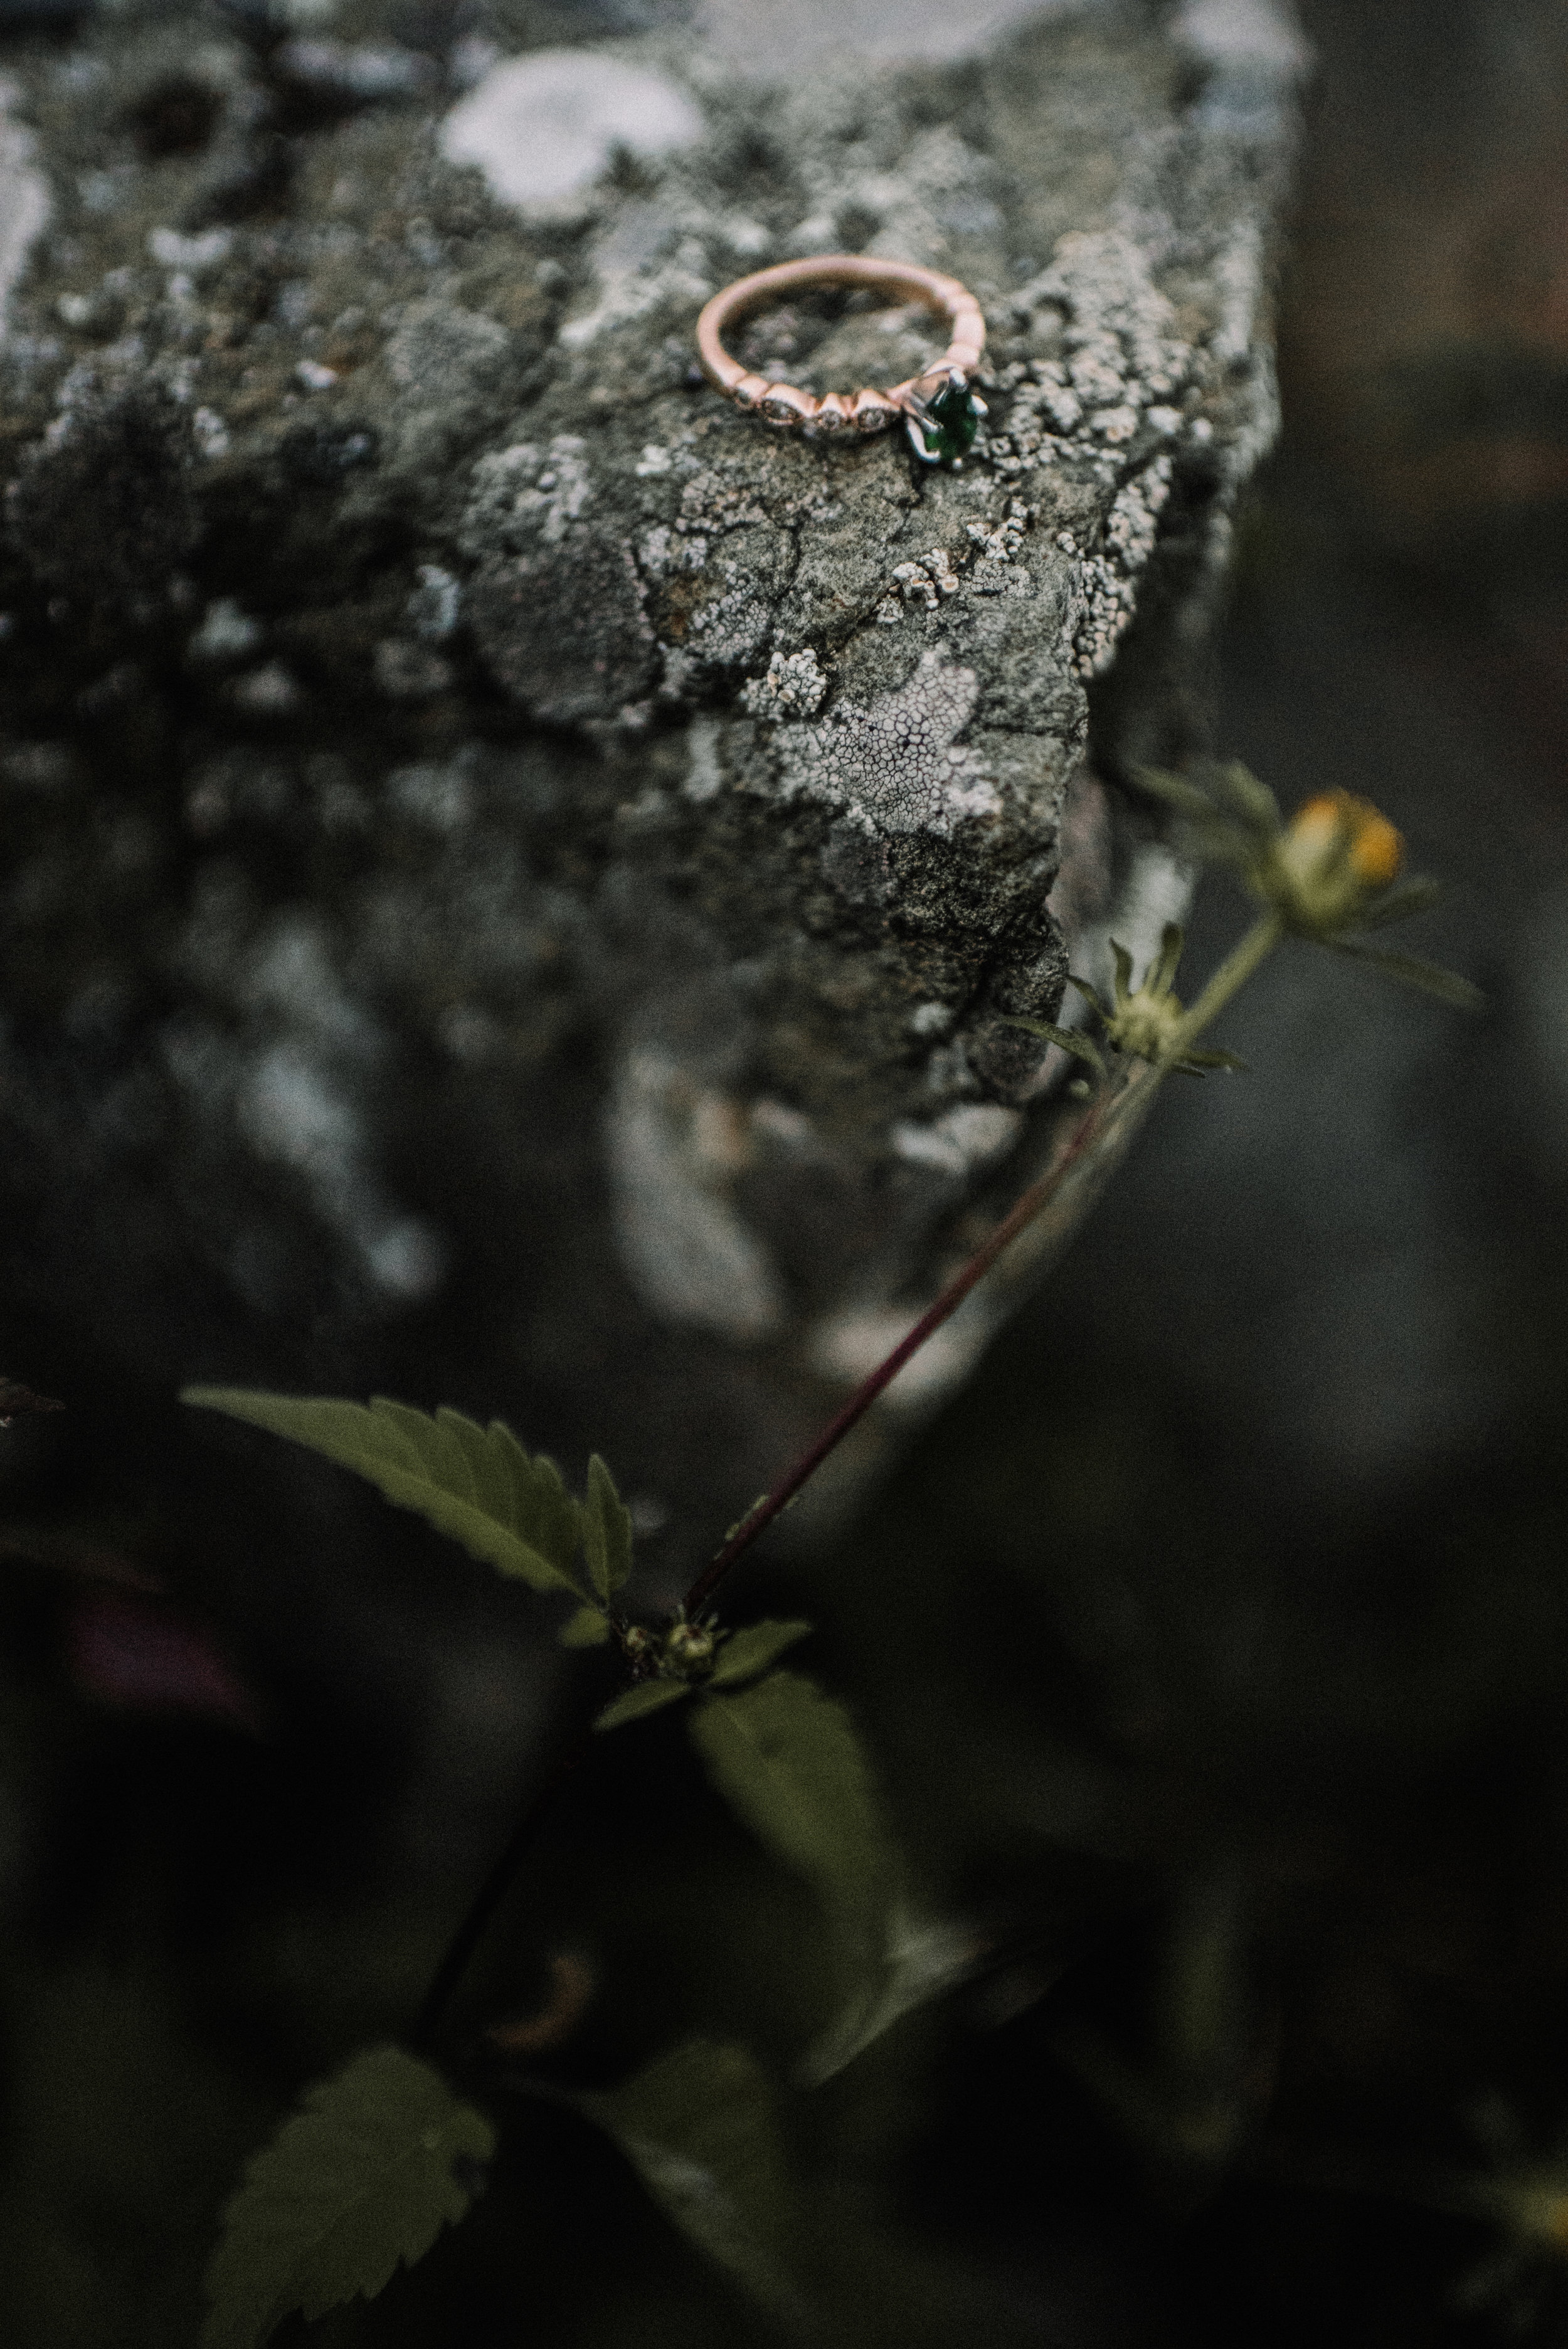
1232	976
1099	1117
1087	1145
1104	1111
460	1949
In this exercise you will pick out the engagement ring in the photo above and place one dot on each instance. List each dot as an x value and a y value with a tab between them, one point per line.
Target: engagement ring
941	413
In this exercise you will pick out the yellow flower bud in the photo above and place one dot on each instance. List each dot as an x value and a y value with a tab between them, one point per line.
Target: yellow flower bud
1336	854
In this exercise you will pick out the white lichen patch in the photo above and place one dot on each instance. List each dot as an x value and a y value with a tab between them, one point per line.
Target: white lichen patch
543	126
652	253
1121	362
1104	589
896	763
542	490
791	687
987	565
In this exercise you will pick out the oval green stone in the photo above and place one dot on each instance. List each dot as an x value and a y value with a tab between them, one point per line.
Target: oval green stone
950	423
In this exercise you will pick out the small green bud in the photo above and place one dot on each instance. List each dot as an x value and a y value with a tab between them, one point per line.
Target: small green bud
688	1644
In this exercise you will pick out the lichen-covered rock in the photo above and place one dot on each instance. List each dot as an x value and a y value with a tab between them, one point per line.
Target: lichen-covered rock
514	871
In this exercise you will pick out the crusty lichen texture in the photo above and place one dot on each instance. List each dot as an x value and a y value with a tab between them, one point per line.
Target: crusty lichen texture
509	825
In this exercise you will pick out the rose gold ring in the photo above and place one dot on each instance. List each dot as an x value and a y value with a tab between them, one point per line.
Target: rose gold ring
937	407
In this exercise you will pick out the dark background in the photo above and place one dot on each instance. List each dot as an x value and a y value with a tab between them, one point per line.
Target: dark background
1240	1644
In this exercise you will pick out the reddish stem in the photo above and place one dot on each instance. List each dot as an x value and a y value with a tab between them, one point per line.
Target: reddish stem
1030	1204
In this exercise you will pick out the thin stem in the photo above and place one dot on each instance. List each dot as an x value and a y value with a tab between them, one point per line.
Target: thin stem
1232	975
1114	1102
1032	1203
460	1949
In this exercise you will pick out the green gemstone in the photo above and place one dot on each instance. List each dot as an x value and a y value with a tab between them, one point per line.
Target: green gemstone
950	423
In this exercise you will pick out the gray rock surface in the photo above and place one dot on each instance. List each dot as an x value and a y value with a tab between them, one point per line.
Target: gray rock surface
514	873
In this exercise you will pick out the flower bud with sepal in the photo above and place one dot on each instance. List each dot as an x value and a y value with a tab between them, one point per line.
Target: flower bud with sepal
1330	875
1146	1023
1330	866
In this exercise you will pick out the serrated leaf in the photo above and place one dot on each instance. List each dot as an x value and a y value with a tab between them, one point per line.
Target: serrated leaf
359	2181
786	1760
606	1532
476	1483
699	2127
648	1696
589	1628
751	1650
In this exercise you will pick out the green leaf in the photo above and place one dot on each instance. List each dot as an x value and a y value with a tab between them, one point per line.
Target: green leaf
1411	970
1194	1063
749	1651
1123	962
699	2127
1160	975
589	1628
1175	791
365	2177
922	1961
1068	1038
646	1697
1400	902
476	1483
1252	800
786	1760
1090	994
606	1532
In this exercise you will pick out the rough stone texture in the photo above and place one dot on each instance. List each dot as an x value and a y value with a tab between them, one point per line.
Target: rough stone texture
513	872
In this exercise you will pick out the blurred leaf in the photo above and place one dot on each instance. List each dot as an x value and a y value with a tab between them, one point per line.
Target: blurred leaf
1399	903
589	1628
1162	973
606	1532
923	1961
1175	791
363	2178
476	1483
699	2127
646	1697
751	1650
1411	970
786	1760
1068	1039
1204	2022
1251	799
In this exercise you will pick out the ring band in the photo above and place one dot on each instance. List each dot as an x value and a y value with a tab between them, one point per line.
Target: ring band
869	410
